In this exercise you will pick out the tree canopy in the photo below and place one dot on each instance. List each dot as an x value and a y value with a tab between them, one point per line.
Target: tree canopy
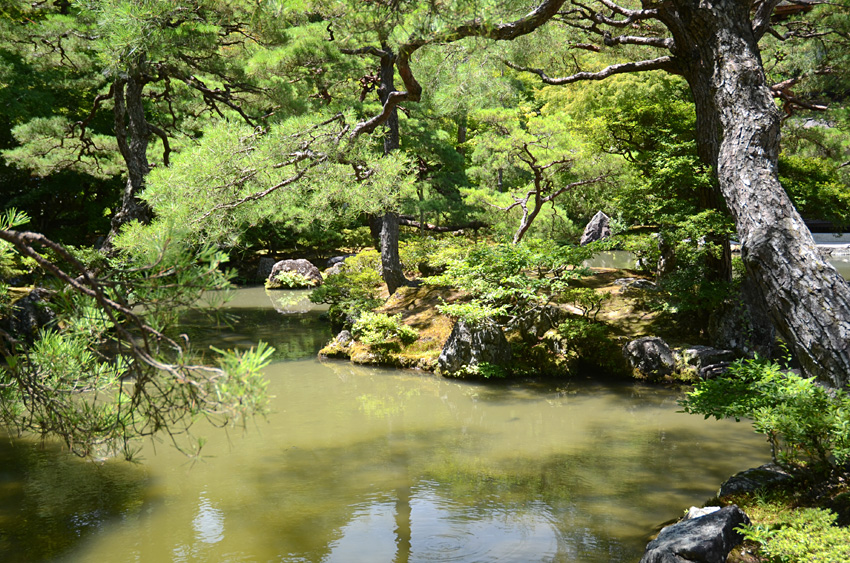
181	131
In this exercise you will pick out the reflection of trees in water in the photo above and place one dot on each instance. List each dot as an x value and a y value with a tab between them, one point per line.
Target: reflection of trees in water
50	501
294	336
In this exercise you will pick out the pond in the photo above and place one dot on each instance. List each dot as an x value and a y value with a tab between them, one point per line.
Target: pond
624	259
379	465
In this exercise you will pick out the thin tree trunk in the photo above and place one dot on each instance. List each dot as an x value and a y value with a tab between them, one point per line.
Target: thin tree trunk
391	269
807	298
133	135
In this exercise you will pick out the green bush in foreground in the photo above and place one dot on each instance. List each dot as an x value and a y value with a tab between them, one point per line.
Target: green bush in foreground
376	329
808	535
806	424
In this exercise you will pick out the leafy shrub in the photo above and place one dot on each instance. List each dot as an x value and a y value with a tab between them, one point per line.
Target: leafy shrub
588	300
376	329
806	424
354	290
289	280
589	341
808	535
511	278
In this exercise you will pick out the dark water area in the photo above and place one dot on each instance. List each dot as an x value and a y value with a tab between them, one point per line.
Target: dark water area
365	464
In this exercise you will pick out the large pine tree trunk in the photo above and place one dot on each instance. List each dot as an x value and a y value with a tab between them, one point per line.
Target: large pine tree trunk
808	300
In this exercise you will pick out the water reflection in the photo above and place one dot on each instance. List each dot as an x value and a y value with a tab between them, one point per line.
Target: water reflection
50	501
359	464
622	259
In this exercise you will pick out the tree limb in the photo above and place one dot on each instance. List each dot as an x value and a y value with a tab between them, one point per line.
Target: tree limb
666	63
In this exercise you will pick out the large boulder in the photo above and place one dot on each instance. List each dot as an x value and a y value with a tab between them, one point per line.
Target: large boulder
303	267
597	229
705	539
469	346
761	477
650	357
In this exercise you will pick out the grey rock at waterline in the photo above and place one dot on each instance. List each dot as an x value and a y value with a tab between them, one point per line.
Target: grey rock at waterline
698	357
713	370
597	229
472	345
753	479
299	266
264	268
650	356
704	539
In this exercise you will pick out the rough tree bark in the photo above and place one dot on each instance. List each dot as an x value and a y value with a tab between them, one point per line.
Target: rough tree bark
716	47
391	269
133	135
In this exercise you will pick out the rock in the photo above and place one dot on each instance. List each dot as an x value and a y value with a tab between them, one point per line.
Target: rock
334	260
264	268
696	512
698	357
597	229
344	338
427	270
630	285
704	539
534	324
753	479
650	357
28	315
300	266
469	346
743	325
714	370
667	259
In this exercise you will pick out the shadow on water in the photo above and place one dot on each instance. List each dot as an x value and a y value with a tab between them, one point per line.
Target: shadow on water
51	502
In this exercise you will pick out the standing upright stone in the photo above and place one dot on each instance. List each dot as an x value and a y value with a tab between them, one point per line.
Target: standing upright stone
597	229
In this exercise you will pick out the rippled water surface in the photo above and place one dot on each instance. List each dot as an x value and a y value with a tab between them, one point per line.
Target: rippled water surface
374	465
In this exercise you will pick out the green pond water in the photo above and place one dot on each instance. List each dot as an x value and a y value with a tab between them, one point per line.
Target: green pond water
377	465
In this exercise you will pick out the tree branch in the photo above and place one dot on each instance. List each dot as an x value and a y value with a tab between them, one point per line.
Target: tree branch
666	63
476	28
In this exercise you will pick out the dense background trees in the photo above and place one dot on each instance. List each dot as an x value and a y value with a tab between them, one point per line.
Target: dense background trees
239	127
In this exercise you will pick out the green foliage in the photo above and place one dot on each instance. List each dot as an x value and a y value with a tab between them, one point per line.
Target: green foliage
807	534
588	300
355	289
377	329
589	341
115	368
11	263
473	313
289	280
815	187
806	424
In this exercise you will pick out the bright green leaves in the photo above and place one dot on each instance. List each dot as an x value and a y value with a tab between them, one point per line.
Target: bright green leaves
49	145
805	423
236	177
